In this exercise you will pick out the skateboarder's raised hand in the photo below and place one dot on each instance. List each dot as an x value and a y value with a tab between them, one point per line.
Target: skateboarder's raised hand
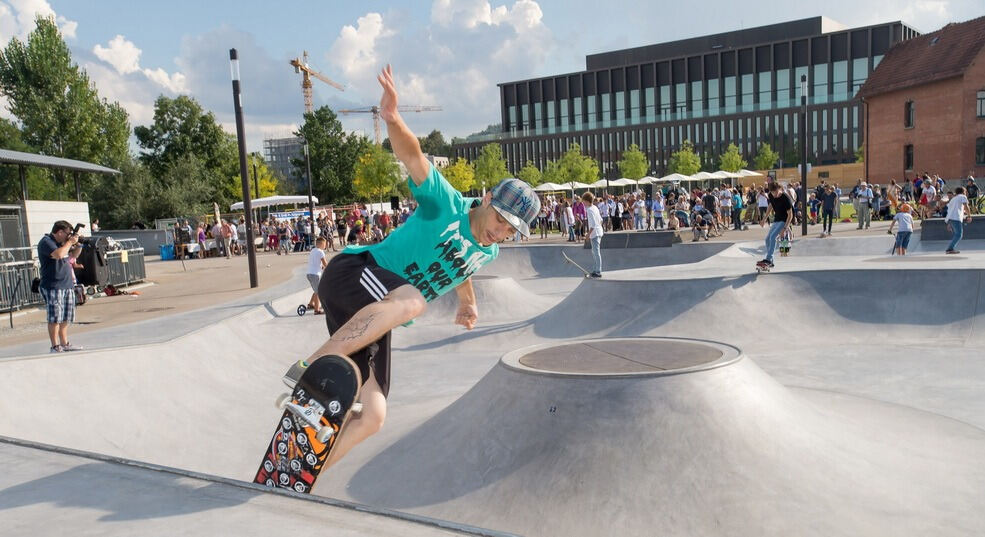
405	145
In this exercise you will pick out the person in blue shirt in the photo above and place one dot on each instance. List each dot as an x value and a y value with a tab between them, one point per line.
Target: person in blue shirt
367	291
58	283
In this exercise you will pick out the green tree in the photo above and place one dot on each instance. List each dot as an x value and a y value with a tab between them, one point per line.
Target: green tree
731	160
791	157
860	154
685	161
530	174
59	111
182	127
434	144
376	173
460	174
765	158
490	167
633	163
39	184
573	166
333	154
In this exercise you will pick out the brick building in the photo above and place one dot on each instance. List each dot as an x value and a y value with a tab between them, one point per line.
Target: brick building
925	106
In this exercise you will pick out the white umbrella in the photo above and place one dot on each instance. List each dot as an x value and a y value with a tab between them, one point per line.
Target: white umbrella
648	180
548	187
576	184
701	176
749	173
623	181
601	183
721	174
674	178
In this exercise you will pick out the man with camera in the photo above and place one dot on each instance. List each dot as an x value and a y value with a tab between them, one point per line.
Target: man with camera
57	284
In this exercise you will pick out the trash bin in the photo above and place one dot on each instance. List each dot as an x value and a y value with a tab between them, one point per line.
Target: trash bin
95	269
167	252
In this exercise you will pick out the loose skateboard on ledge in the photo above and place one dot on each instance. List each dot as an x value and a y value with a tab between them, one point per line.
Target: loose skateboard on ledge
569	260
322	401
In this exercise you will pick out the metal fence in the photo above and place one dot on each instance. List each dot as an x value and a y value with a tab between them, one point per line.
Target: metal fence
18	269
133	270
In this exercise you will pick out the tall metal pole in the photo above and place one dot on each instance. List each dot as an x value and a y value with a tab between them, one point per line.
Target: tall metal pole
803	153
256	180
243	174
311	204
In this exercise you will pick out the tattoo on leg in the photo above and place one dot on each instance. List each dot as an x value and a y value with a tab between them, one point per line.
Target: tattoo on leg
357	328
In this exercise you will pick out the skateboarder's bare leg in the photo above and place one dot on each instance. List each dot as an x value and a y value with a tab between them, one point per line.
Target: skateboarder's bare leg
362	426
372	321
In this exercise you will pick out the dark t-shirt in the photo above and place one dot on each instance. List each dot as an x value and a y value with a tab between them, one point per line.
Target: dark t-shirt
973	190
828	201
55	273
709	201
781	206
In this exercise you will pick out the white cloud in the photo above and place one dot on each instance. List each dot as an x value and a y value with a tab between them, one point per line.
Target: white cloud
124	56
354	51
17	19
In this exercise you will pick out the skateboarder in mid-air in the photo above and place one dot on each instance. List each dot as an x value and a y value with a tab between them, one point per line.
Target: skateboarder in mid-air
366	291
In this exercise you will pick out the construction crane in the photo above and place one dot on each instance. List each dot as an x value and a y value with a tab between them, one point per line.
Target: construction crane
375	110
301	66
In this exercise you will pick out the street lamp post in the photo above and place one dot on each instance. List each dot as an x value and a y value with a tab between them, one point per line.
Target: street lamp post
311	204
243	174
803	153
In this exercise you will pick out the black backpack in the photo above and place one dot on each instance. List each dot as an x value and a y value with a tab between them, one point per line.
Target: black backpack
36	285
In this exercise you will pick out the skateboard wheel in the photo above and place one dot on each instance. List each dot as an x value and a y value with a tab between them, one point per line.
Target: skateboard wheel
282	400
324	434
302	309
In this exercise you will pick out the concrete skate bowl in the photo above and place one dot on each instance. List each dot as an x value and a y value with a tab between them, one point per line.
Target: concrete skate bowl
676	437
497	299
526	262
798	308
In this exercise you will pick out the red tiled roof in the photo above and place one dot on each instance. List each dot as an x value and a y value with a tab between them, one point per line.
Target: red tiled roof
943	54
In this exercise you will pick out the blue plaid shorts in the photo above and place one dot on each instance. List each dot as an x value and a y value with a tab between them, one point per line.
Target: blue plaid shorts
61	305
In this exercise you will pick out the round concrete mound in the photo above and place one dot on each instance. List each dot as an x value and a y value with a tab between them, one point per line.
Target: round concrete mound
623	356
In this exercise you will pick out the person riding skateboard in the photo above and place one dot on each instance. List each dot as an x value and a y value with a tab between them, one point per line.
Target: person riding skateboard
366	291
781	207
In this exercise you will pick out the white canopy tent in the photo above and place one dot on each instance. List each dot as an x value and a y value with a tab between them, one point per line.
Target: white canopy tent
623	181
601	183
749	173
674	178
648	180
548	187
271	201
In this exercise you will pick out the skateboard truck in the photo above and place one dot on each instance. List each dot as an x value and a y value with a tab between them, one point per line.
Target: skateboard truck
312	413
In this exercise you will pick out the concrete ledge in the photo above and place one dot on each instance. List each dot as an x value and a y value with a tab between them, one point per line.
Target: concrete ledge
637	239
935	229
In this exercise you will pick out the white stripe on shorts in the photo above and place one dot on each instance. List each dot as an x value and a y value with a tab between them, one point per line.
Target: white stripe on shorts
372	285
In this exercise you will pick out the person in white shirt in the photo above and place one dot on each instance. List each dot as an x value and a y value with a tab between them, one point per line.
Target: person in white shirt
956	216
569	221
864	211
905	221
658	210
316	263
594	233
928	199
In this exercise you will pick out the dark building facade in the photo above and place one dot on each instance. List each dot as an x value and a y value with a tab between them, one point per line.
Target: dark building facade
739	87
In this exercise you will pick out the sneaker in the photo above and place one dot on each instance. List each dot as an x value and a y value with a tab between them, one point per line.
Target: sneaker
69	347
595	275
952	252
770	263
56	348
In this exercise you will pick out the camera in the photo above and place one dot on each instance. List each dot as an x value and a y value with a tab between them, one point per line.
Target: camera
77	227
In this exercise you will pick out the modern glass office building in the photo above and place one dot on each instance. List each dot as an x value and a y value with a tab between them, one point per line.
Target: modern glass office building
739	87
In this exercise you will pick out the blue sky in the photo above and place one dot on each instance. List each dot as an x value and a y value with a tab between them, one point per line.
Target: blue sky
450	53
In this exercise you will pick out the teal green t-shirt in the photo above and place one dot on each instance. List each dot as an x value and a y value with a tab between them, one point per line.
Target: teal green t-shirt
434	250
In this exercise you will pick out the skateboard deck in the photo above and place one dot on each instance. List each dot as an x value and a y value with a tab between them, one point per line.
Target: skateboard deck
569	260
314	412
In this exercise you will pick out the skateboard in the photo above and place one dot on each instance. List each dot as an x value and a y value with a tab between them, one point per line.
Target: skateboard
322	401
569	260
762	268
302	309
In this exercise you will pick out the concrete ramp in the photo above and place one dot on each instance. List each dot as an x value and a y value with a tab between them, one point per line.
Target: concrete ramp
497	298
676	437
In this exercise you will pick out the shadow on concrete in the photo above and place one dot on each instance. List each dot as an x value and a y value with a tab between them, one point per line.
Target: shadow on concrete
123	493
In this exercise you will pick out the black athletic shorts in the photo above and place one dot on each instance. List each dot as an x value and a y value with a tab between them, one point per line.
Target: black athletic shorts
349	283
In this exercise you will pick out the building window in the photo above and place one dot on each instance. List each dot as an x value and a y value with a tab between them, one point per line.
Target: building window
980	152
981	103
908	115
908	157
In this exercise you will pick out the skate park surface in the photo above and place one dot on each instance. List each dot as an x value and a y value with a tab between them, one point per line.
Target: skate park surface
681	394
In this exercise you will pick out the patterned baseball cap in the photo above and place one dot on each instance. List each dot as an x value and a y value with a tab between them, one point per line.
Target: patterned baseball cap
517	203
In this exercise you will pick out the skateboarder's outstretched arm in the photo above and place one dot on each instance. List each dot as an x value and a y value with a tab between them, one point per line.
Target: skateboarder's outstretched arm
468	313
404	143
